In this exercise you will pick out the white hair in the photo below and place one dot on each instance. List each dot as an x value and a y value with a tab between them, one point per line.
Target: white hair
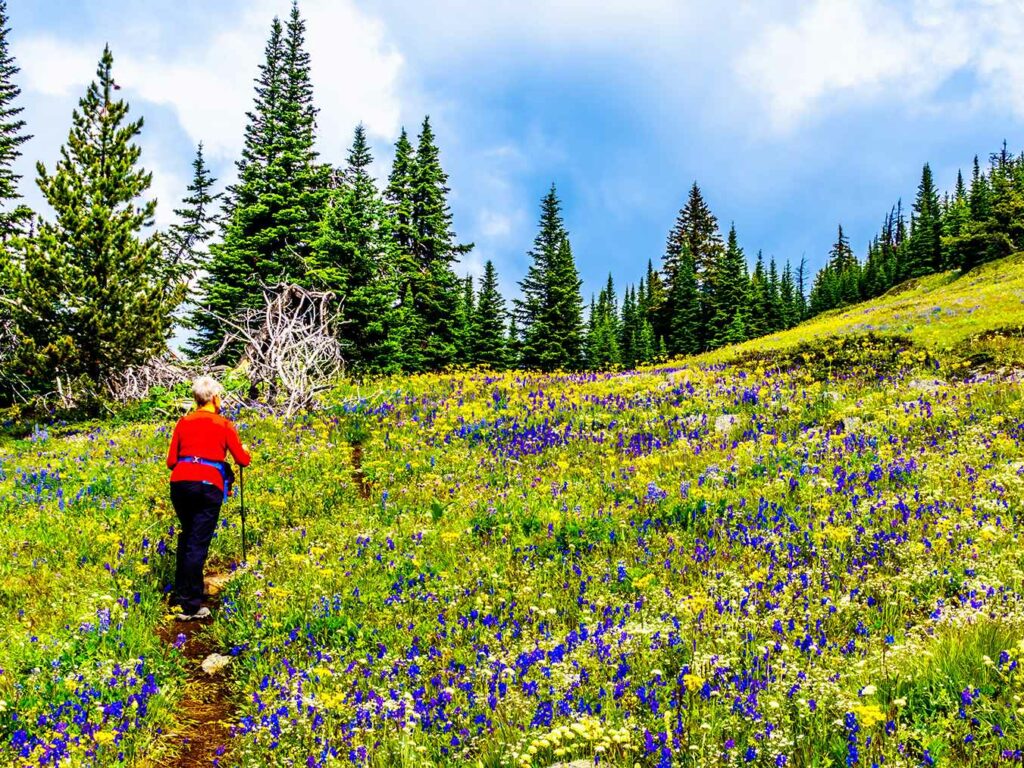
205	388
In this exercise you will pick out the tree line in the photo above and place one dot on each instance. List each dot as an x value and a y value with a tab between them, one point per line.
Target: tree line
94	286
964	228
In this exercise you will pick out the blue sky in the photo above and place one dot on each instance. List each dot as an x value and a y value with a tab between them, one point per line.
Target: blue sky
792	116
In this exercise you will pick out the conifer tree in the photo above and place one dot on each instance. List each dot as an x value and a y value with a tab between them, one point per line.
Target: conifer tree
627	329
697	228
773	304
685	331
955	222
88	300
566	312
654	301
399	199
407	335
787	298
197	221
925	246
696	231
550	312
13	215
463	320
489	342
758	293
800	305
433	251
736	331
728	294
274	210
603	330
353	257
514	344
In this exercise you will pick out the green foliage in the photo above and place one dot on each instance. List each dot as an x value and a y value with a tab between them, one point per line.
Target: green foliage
196	223
90	286
273	212
489	346
354	258
13	215
550	312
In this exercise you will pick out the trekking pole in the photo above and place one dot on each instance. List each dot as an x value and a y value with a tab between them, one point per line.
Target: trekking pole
241	499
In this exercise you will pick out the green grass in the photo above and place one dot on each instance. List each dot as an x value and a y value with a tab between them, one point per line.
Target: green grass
977	317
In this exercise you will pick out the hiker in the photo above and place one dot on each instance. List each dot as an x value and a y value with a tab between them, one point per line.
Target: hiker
200	482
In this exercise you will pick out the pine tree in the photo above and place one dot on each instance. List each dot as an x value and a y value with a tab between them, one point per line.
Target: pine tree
274	210
407	335
463	322
925	246
550	311
685	332
838	283
88	299
13	216
434	250
695	233
514	344
774	309
489	339
627	329
197	221
735	332
787	298
566	316
399	197
758	293
696	228
727	296
353	257
800	304
603	331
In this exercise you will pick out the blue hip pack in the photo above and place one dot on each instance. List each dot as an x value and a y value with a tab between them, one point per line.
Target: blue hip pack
227	474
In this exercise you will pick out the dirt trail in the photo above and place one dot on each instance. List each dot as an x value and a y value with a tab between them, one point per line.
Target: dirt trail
205	709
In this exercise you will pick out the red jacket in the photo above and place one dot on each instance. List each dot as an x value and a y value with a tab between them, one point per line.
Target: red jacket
207	435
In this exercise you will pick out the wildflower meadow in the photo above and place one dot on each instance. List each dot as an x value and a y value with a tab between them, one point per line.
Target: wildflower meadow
803	558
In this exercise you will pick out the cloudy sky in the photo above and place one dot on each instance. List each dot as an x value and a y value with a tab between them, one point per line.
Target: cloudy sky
792	116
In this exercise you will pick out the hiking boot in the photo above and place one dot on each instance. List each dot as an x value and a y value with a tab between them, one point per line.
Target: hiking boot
202	613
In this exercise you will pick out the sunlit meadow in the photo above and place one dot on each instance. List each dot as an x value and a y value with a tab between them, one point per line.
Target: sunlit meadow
804	558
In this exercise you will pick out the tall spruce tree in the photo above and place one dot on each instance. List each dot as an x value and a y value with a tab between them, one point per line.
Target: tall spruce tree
787	298
686	335
354	258
399	199
602	347
464	321
433	251
274	210
13	215
489	343
925	245
88	299
695	232
727	295
538	310
759	298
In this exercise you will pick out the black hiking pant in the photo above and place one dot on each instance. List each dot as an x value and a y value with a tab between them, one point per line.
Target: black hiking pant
198	507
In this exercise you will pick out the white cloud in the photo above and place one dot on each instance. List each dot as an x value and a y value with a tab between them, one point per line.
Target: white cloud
868	49
206	83
494	223
209	83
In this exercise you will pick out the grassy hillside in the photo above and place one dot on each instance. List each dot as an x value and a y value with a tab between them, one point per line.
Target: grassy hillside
720	562
977	317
